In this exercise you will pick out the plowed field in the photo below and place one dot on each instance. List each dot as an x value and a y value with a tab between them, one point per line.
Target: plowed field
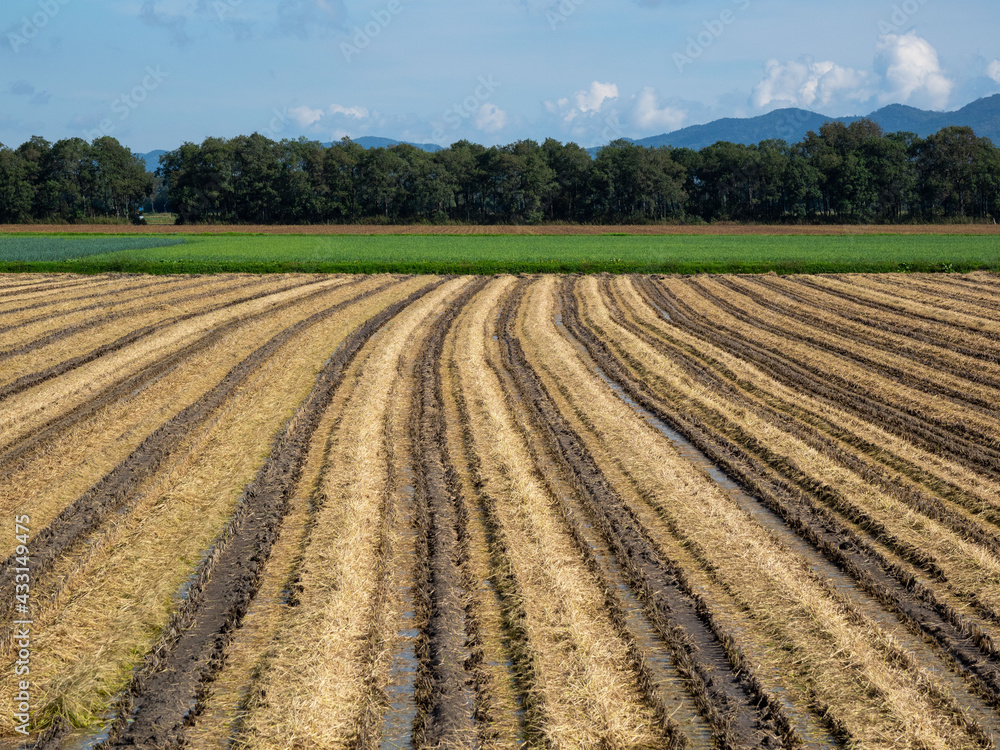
500	512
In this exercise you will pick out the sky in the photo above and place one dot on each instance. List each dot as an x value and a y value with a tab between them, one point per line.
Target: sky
157	73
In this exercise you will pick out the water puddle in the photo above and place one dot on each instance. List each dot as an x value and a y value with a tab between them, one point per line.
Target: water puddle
670	685
923	652
88	739
397	725
663	313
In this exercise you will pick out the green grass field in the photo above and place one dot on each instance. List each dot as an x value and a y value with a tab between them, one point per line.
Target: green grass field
481	254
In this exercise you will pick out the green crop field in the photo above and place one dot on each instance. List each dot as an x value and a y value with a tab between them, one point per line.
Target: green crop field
15	249
686	254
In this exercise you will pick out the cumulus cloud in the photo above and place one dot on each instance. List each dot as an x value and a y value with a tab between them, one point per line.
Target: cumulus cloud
593	100
648	115
358	113
993	70
583	102
911	70
808	83
490	118
305	116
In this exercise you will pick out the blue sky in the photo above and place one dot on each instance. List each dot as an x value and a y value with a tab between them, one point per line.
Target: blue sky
156	73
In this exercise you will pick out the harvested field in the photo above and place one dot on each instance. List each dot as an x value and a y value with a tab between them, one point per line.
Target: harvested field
377	512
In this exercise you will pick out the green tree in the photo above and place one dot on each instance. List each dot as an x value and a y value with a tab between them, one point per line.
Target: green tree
17	193
121	182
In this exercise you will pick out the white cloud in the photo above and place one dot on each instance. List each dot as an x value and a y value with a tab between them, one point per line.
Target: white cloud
993	70
358	113
911	70
305	116
490	118
649	116
807	83
588	101
592	100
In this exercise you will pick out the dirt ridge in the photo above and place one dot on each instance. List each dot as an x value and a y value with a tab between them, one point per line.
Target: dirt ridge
103	293
47	431
971	651
739	711
444	688
168	689
32	379
112	492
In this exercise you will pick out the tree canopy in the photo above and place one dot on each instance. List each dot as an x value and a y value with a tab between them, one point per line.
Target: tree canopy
841	173
71	180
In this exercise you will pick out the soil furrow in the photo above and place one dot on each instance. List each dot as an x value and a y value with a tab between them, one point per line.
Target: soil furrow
113	491
445	692
913	311
878	333
656	670
737	554
104	293
166	691
958	427
739	711
30	380
114	304
980	507
279	632
41	434
831	496
895	323
970	651
502	671
51	285
821	435
95	321
834	389
939	292
546	632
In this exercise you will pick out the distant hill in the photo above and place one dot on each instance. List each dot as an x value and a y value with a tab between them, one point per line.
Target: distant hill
791	125
152	159
373	141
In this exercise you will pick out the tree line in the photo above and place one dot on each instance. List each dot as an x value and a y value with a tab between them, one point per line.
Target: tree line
852	173
71	180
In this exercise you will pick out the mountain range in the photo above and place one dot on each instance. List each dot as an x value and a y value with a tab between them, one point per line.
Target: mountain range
790	125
